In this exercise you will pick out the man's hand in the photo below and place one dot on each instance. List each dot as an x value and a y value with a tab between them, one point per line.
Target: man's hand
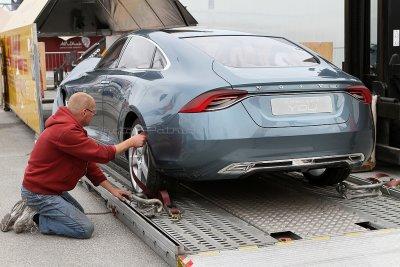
135	141
138	140
120	193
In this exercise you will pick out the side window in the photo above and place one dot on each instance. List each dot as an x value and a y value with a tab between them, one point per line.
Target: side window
138	54
159	62
110	59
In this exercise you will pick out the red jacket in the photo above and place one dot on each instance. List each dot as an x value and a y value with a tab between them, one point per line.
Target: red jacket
62	155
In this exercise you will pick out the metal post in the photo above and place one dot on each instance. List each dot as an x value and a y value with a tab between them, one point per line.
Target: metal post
357	37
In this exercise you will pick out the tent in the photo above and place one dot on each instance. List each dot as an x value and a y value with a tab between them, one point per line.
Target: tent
99	17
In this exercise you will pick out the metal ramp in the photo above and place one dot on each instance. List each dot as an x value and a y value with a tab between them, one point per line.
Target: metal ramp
242	217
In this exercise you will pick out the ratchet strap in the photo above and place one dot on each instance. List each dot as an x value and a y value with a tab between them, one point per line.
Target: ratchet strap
173	212
389	182
144	188
378	181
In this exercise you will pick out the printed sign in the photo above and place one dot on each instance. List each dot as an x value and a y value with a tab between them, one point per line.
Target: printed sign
57	49
396	37
56	44
23	75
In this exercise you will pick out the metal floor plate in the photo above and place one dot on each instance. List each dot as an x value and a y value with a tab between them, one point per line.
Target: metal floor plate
272	204
229	215
383	209
204	227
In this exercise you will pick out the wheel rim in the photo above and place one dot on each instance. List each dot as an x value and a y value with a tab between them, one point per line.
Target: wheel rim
138	161
317	172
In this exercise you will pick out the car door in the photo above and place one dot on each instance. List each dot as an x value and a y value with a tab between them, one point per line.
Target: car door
135	63
93	87
96	88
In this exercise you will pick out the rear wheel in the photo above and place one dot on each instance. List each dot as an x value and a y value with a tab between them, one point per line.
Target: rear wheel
141	165
327	176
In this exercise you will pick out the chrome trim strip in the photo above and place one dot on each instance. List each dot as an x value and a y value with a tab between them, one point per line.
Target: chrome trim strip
245	167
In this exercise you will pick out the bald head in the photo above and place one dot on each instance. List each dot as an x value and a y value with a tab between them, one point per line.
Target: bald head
82	106
80	101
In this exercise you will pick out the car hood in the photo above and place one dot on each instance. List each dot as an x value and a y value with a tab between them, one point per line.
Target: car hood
80	69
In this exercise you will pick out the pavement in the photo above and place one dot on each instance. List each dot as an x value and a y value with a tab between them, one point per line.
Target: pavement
112	242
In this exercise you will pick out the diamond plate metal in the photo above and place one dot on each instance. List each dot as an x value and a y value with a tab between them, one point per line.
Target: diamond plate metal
272	204
205	227
381	209
384	208
226	215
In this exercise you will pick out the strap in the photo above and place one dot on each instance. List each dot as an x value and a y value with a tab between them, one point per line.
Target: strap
173	212
144	188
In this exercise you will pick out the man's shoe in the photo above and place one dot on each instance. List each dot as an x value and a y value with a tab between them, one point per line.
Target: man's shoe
25	221
9	219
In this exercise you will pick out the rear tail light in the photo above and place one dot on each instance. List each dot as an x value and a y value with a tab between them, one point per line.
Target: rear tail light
360	92
213	100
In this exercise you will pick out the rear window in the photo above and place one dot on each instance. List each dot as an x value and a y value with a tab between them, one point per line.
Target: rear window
253	51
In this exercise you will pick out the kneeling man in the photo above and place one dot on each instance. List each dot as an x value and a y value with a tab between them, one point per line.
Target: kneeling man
61	156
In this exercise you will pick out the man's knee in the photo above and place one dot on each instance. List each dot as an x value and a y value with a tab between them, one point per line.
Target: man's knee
88	229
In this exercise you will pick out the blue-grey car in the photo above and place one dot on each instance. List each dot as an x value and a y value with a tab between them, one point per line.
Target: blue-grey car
220	104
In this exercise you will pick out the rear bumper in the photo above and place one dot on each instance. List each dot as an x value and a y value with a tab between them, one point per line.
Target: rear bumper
204	146
303	164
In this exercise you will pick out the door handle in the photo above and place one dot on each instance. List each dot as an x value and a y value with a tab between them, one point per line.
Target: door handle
105	82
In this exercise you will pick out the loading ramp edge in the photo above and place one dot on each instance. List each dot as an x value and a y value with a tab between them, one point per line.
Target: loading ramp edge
377	248
164	246
172	251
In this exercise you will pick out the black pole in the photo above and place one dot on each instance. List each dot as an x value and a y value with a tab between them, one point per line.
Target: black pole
357	38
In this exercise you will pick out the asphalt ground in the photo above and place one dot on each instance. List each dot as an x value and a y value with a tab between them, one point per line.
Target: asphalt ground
112	243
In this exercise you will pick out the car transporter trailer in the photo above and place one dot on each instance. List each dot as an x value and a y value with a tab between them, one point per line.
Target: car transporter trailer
272	219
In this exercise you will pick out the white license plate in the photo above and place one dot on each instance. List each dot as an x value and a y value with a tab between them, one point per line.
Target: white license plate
301	105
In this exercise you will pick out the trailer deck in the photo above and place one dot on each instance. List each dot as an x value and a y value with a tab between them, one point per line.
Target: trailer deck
274	218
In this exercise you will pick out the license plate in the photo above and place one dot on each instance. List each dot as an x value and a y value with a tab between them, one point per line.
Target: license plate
301	105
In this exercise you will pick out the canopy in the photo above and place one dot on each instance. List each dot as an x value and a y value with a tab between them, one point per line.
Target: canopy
5	15
99	17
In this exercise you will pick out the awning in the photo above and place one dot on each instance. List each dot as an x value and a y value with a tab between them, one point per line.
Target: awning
99	17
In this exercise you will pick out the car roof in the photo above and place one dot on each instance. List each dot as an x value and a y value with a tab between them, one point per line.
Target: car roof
197	32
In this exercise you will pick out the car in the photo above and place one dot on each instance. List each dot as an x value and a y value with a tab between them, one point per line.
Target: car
222	105
84	66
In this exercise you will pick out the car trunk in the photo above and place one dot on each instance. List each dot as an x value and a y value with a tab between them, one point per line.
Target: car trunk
292	97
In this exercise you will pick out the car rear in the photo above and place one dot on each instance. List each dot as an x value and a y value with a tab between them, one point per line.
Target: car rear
286	109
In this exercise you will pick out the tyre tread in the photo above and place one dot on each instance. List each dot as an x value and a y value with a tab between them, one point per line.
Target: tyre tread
331	176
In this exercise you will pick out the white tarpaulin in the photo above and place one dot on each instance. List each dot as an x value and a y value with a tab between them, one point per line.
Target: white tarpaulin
26	14
91	17
5	16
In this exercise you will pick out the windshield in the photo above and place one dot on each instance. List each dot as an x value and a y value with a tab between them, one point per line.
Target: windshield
253	51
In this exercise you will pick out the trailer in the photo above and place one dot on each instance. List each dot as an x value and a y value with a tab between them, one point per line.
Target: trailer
273	219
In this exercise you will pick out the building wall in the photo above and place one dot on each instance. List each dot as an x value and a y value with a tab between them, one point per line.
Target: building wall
297	20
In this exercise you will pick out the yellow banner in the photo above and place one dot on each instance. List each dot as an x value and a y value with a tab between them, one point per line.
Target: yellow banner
23	94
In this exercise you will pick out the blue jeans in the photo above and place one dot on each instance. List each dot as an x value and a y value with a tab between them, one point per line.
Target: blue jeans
59	214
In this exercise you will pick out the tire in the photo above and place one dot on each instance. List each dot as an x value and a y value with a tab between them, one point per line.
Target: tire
328	176
141	159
